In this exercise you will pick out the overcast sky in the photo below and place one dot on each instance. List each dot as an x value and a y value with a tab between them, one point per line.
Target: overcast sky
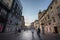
31	9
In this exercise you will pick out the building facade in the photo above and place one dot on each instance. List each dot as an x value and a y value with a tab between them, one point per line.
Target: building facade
49	21
40	20
36	25
32	24
5	7
14	17
22	22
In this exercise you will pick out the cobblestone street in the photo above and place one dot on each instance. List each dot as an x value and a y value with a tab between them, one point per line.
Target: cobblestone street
27	35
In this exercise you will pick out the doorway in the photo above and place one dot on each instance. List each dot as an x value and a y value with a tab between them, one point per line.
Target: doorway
55	29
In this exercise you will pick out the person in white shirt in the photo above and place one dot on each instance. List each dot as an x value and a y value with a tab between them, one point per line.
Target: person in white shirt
32	30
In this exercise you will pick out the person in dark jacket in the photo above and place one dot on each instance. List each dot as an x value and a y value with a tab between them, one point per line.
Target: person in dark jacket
38	32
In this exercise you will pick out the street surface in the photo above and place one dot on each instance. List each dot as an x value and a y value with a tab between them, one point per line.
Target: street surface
27	35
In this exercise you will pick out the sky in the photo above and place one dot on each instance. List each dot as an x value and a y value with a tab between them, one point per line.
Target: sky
31	9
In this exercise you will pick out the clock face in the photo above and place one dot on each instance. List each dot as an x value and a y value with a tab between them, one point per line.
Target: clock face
7	3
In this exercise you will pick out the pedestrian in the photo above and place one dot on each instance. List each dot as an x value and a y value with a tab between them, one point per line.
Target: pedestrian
32	30
38	32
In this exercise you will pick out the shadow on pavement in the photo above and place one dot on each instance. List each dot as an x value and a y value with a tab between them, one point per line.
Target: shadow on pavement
39	36
33	37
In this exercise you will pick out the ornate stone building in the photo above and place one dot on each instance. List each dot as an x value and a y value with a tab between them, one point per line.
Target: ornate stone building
50	20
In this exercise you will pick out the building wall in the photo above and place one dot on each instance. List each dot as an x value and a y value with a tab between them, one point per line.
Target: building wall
4	11
22	22
36	25
11	24
8	3
51	18
14	18
31	25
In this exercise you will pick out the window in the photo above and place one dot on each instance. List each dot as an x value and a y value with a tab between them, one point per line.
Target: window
12	15
55	1
7	4
59	16
45	18
16	6
58	8
48	16
46	24
53	19
52	13
13	10
10	21
9	0
0	8
20	12
16	14
51	7
3	12
49	23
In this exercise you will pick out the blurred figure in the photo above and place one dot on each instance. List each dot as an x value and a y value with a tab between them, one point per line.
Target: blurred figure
19	30
32	30
38	32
